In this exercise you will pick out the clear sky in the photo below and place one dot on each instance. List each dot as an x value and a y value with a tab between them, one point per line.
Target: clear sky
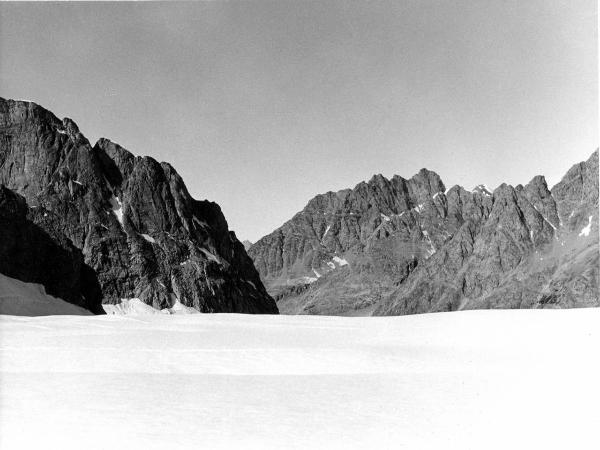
262	105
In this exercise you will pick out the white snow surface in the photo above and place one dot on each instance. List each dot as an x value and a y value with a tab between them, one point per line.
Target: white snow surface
148	238
309	280
585	231
178	307
136	307
431	249
130	306
463	380
340	261
30	299
117	208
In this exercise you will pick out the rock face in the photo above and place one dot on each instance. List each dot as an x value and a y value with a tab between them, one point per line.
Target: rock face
34	251
392	247
137	227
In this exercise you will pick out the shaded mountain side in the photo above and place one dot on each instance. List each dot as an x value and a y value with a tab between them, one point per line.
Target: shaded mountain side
34	251
132	217
18	298
437	251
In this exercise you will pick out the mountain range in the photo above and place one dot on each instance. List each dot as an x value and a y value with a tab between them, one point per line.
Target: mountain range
403	246
104	230
99	227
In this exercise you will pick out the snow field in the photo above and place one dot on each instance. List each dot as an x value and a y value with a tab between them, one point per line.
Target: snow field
468	380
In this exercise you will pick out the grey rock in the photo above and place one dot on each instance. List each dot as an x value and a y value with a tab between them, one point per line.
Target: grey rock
414	248
133	219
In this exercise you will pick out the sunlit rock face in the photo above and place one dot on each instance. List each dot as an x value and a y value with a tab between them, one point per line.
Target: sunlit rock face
132	218
411	246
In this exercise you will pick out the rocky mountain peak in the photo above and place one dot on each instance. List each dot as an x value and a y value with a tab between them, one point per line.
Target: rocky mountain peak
132	217
408	246
577	193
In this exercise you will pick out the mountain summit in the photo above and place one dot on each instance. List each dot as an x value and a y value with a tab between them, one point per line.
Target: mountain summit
401	246
139	232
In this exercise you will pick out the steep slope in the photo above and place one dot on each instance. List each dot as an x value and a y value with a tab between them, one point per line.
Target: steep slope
345	250
418	250
138	228
34	251
18	298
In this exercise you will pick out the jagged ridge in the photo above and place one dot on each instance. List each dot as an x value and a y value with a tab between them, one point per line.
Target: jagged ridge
413	247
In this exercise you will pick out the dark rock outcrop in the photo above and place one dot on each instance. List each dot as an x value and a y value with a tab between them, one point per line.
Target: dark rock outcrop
34	251
412	248
138	228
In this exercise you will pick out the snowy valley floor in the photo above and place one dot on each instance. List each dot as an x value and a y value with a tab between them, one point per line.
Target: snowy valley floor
468	380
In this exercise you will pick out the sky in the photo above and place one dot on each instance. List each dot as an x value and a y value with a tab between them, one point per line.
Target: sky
261	105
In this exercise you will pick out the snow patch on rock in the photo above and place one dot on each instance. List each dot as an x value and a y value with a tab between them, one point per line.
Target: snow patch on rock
340	261
543	217
117	208
431	249
585	231
148	238
309	280
482	189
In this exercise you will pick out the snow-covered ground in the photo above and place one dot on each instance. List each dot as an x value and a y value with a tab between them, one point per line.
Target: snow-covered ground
30	299
467	380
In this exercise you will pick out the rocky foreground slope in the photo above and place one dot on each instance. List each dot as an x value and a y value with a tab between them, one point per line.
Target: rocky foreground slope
111	225
403	246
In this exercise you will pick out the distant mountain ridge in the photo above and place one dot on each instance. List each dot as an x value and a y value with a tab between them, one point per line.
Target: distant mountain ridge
131	219
402	246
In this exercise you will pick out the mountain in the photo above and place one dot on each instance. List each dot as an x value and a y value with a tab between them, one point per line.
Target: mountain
247	244
403	246
130	220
